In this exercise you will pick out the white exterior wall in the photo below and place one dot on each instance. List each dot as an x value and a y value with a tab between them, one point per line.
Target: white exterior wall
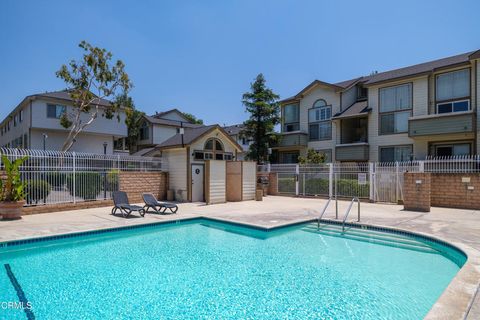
249	177
176	161
332	98
100	125
217	181
161	133
19	130
174	116
85	142
420	107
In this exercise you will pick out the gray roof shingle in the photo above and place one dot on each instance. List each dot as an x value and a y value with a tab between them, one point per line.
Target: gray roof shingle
190	135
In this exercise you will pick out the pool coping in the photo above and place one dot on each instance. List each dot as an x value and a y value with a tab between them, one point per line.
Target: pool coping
464	286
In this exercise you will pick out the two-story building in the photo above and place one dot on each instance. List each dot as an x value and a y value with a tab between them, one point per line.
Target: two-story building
234	131
428	109
160	127
35	124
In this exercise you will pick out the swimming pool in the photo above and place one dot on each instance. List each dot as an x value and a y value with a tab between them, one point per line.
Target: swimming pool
206	269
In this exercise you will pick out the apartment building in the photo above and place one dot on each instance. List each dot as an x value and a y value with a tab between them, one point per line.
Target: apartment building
428	109
35	124
234	132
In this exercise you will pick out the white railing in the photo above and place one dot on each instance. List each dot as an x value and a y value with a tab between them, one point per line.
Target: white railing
53	177
378	181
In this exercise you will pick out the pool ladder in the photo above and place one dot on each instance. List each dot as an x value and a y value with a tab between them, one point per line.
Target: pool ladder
336	209
348	212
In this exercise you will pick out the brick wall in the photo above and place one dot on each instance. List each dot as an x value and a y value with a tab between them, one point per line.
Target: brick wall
417	196
448	190
136	183
441	190
272	188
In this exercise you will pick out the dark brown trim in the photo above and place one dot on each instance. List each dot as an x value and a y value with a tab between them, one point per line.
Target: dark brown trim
189	176
379	133
206	182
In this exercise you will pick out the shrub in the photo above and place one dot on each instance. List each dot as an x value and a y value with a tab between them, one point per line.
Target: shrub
36	190
87	185
56	179
112	180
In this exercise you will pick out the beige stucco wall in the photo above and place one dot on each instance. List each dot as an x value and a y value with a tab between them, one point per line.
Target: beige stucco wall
200	143
332	98
420	103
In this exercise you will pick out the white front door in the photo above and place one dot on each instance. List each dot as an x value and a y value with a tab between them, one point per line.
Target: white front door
197	183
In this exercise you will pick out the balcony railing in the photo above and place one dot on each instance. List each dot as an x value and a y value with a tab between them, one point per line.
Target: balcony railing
352	152
293	139
447	123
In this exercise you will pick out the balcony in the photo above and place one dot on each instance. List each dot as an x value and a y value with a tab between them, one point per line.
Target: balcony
352	152
292	139
447	123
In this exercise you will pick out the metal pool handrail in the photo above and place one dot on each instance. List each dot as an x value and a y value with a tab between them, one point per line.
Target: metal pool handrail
348	212
323	212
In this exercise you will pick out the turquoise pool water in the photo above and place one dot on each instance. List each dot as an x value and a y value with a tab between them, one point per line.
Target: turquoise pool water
209	270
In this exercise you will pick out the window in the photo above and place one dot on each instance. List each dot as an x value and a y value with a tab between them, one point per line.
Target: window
20	116
396	153
453	85
291	118
15	119
452	149
289	157
144	131
55	111
213	149
362	93
319	124
25	140
393	103
454	106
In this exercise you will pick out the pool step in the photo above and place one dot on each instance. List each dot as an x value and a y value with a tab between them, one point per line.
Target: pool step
370	236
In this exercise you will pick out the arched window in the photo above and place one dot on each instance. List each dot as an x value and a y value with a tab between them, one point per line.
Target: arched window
213	149
319	103
319	121
144	131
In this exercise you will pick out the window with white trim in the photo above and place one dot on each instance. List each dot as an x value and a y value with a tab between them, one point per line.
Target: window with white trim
319	121
291	117
212	150
452	91
55	111
395	108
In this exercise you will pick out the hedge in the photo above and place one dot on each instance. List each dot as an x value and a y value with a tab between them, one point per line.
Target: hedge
88	185
36	190
346	187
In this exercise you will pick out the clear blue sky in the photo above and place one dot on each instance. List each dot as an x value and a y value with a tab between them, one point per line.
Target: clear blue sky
200	56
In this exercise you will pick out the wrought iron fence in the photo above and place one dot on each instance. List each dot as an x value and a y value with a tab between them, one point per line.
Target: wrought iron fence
52	177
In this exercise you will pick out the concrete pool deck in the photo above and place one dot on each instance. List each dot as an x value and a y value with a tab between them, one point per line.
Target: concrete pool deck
456	226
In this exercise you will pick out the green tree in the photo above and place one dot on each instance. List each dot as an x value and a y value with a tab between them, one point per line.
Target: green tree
132	120
313	157
192	118
262	105
94	72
